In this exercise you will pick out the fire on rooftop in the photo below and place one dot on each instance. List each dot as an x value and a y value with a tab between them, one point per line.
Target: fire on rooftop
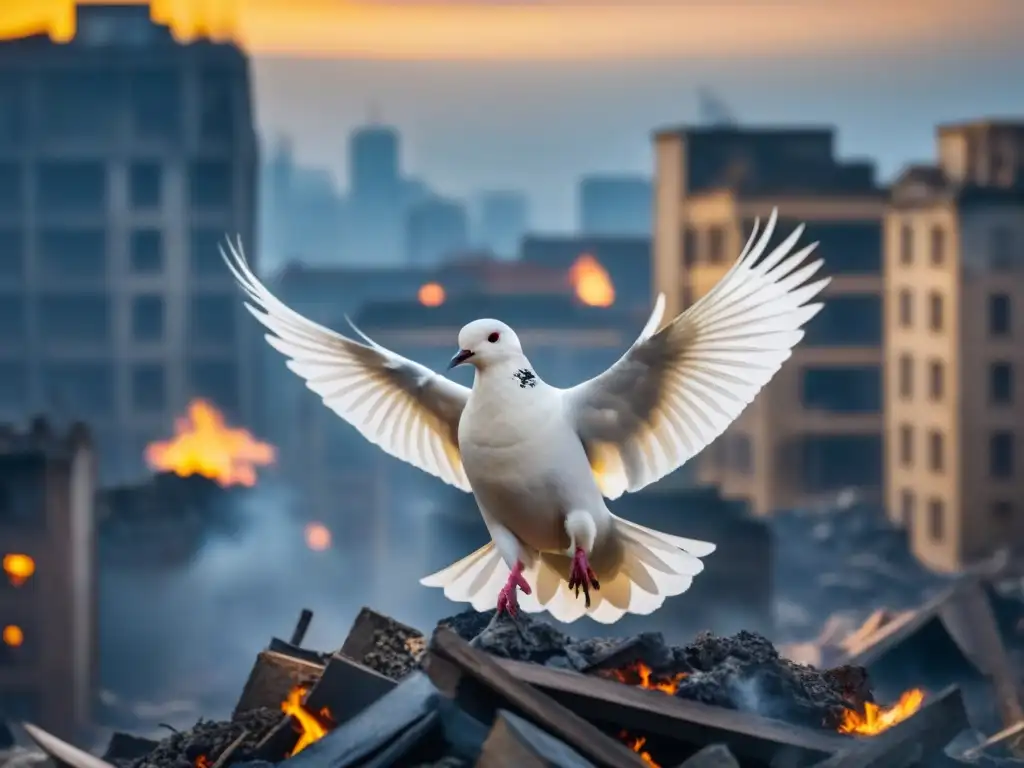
491	692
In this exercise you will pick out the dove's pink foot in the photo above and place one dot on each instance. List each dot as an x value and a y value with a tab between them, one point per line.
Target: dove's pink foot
581	576
508	598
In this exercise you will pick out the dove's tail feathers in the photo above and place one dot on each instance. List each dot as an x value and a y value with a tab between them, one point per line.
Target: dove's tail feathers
475	579
655	566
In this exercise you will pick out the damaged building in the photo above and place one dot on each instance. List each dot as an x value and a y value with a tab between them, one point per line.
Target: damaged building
48	584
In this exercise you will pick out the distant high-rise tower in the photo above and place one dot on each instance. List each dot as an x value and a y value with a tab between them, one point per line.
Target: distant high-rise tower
377	196
125	159
434	230
503	219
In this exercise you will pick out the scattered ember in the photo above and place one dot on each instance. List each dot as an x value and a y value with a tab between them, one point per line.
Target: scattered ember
205	445
636	743
640	675
19	568
876	719
591	282
201	762
311	727
318	537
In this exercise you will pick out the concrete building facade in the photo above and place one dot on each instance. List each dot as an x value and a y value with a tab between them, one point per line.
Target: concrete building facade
48	655
955	347
817	428
125	159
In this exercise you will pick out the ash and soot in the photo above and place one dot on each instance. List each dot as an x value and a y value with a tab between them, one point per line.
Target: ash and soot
487	690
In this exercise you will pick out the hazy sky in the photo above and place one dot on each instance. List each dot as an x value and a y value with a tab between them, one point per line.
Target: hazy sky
532	94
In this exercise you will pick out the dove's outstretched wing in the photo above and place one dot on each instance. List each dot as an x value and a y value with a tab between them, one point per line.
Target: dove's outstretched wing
402	406
676	390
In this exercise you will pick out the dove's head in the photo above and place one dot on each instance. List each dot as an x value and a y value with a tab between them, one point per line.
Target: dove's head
485	342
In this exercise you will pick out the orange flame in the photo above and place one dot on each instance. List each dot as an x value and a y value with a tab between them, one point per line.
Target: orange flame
876	719
310	728
591	282
205	445
13	636
201	762
636	743
640	675
431	295
19	568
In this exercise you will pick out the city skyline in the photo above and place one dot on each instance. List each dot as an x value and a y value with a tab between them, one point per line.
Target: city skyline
884	74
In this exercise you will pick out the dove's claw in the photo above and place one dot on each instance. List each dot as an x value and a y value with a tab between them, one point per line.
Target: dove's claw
581	576
508	597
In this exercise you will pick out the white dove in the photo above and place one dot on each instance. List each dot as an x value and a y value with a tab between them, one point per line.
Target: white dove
541	460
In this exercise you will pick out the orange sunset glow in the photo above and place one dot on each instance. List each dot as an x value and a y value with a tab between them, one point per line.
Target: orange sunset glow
557	29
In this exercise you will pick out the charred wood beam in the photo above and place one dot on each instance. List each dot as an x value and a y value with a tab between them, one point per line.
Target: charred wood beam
62	753
390	728
346	688
715	756
301	627
279	741
517	743
273	676
915	740
748	736
482	687
229	750
383	644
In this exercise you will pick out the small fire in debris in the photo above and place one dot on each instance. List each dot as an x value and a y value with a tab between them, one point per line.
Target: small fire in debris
876	719
636	743
642	676
201	762
311	727
204	445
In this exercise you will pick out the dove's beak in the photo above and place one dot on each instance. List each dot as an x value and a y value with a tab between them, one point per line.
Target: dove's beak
460	357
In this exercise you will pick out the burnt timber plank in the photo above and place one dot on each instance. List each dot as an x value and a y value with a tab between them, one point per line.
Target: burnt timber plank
915	740
517	743
273	676
748	736
62	753
346	688
454	666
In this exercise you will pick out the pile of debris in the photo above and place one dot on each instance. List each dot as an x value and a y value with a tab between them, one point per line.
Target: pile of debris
491	692
859	563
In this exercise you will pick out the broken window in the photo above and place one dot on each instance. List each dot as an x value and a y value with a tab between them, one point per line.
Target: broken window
79	103
80	390
144	185
156	103
216	108
148	318
71	186
149	387
22	502
213	318
146	251
209	184
75	317
73	254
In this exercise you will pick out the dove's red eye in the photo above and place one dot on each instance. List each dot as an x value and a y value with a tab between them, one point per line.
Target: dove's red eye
493	338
